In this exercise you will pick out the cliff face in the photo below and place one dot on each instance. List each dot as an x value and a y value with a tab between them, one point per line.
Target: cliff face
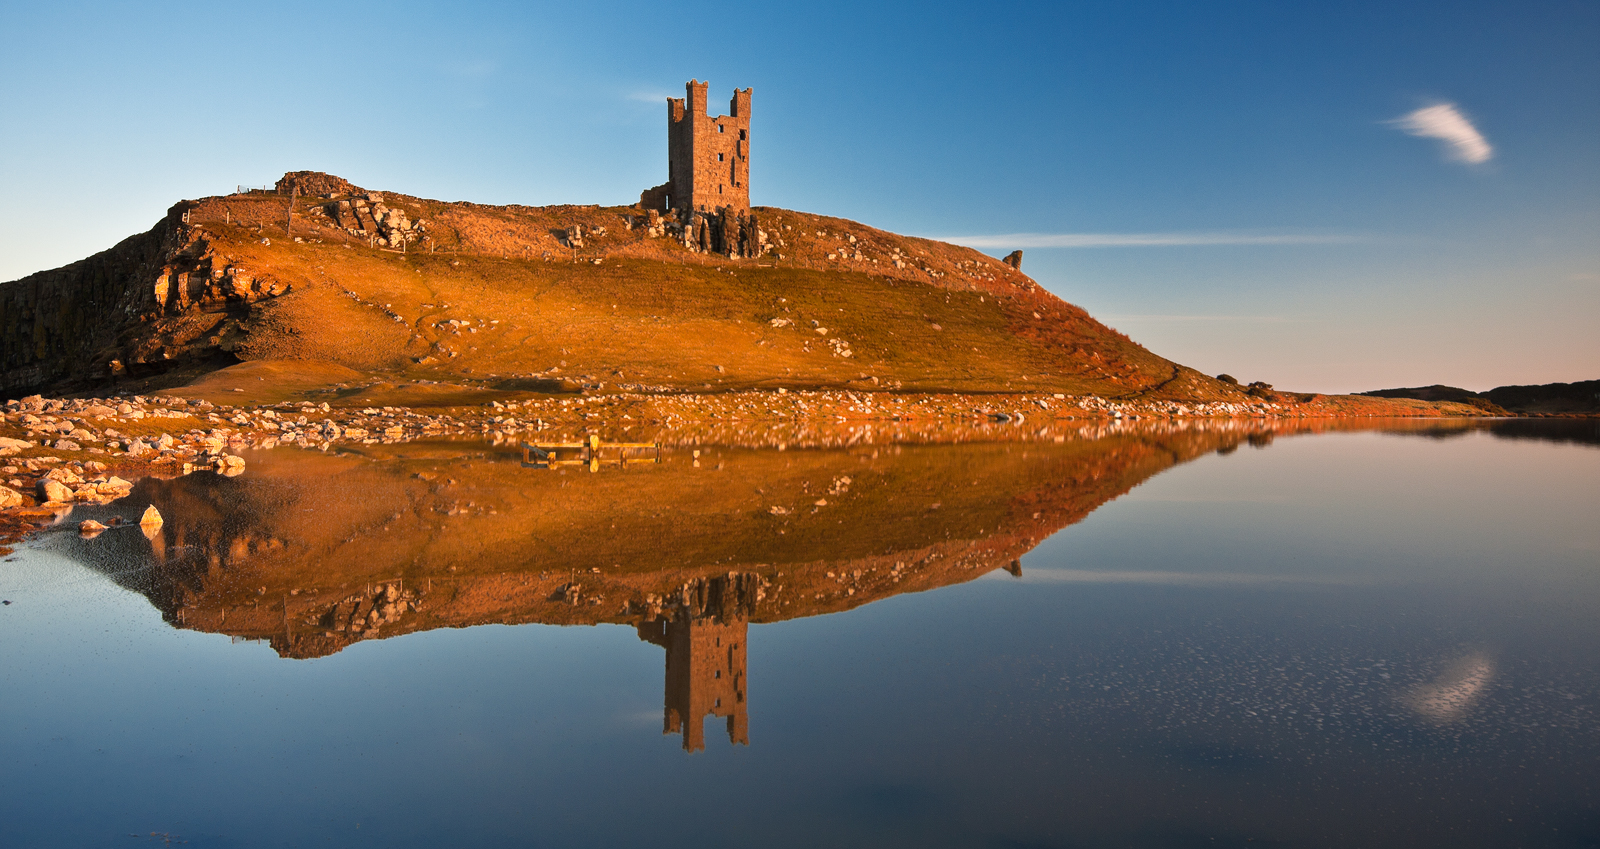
61	324
162	299
394	286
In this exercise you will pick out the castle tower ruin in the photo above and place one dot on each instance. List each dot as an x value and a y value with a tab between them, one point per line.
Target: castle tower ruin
708	158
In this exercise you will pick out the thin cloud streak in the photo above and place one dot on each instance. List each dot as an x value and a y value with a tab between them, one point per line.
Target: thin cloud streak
1185	579
1462	141
1143	240
1271	319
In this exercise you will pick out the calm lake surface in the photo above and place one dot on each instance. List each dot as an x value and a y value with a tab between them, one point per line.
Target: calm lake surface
1217	635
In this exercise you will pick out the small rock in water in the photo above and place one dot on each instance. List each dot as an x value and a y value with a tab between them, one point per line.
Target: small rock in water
151	518
90	528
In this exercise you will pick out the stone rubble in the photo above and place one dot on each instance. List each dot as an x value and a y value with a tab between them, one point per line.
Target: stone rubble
367	216
167	436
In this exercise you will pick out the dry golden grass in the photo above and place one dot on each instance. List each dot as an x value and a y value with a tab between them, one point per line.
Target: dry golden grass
924	316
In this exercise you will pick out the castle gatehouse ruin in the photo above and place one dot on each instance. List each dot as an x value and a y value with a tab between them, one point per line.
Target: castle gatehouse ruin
708	174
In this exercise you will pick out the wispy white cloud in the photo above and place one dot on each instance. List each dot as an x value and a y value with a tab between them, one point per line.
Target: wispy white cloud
1191	579
1144	240
1442	121
1273	319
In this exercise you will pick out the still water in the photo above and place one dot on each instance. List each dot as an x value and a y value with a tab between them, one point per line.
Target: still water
1218	635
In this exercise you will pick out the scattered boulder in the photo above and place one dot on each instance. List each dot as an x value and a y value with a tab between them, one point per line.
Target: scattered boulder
9	497
54	491
114	486
64	475
151	520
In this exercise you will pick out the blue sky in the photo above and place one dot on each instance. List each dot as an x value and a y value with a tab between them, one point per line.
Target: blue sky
1228	179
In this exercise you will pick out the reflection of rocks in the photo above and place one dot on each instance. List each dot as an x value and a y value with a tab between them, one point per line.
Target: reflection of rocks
477	539
314	551
369	610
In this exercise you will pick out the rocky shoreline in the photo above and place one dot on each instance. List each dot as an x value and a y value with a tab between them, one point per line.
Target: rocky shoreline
55	453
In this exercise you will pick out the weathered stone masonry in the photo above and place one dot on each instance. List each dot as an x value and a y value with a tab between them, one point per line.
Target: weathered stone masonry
708	174
708	158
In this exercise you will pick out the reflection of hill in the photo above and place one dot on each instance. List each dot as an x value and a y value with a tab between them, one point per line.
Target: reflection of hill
312	551
1571	431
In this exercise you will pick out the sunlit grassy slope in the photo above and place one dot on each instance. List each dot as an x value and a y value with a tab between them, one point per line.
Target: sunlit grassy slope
493	296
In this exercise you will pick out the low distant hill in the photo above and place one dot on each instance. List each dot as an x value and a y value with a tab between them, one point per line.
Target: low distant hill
1580	397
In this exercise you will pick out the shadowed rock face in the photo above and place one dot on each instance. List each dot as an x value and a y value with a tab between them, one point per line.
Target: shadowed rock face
312	551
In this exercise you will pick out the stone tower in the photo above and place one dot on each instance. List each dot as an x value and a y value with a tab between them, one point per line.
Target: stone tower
708	159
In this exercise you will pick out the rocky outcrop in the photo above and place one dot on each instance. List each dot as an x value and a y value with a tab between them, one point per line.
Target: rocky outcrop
315	184
729	232
366	216
127	309
67	321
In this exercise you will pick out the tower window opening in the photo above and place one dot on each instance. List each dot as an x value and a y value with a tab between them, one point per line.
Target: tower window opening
719	157
741	135
720	128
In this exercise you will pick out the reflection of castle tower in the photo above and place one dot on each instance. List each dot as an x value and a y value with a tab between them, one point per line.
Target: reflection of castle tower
705	643
705	675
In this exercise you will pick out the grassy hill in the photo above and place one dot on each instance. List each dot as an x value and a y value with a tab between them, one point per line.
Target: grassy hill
514	297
